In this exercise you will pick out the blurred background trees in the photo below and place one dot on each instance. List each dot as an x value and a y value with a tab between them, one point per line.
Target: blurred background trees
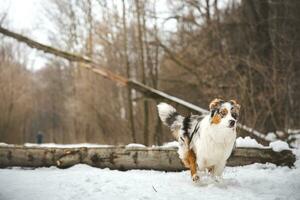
247	50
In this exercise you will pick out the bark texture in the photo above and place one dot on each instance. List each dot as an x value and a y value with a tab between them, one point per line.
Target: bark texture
127	158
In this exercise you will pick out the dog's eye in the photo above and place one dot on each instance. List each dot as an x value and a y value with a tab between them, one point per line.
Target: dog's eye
234	115
223	112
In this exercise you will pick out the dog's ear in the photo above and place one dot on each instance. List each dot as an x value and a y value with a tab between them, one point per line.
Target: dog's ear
215	104
235	104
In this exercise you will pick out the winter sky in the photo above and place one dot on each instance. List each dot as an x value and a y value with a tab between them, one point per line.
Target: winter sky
23	16
27	17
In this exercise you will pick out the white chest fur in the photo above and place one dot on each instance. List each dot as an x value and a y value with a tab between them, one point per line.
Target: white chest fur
213	144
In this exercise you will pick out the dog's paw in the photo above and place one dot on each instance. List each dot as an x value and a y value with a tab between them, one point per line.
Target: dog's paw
195	177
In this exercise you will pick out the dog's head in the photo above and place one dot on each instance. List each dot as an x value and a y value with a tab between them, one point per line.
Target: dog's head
224	113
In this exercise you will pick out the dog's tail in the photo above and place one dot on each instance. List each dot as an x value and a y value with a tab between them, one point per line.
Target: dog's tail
169	116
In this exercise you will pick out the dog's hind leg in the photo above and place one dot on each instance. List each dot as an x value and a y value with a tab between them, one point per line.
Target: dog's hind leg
190	162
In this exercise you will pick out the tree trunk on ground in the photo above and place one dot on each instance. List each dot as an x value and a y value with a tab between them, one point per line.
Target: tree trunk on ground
126	158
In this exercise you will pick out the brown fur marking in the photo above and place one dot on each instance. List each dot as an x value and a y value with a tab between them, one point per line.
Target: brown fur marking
235	104
214	104
216	119
190	162
223	112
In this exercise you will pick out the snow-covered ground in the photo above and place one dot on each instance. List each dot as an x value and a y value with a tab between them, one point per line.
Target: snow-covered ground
255	181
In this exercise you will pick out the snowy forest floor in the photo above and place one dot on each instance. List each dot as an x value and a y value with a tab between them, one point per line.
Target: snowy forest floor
257	181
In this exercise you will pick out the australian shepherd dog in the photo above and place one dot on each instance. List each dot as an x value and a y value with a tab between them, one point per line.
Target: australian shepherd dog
205	143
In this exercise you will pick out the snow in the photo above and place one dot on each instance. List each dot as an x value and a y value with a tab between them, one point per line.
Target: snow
293	131
171	144
134	145
280	133
257	181
248	142
5	145
271	136
53	145
279	146
294	137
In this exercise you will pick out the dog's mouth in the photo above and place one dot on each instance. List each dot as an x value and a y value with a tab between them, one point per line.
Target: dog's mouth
231	126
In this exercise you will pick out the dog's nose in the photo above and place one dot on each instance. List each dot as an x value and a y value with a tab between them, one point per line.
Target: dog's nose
231	123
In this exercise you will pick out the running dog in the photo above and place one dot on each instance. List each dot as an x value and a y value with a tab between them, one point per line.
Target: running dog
204	143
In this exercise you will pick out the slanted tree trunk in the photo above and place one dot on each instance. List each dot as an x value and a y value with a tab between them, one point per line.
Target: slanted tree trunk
147	91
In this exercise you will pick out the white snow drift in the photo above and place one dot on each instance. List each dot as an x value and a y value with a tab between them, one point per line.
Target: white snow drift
257	181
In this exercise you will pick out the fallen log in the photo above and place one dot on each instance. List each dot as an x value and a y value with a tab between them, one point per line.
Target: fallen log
126	158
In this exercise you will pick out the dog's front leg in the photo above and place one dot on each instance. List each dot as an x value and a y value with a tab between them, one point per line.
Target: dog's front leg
219	168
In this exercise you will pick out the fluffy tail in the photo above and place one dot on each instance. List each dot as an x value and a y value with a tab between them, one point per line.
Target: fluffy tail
169	116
